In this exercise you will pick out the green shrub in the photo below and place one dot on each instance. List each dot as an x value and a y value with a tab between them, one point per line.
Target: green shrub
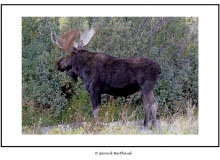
41	83
172	42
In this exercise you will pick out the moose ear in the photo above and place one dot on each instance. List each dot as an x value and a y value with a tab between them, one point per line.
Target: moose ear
72	50
80	45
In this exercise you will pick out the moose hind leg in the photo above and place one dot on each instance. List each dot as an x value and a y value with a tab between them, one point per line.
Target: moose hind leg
146	110
150	104
153	107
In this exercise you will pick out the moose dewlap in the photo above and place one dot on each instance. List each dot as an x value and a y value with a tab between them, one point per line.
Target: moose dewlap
105	74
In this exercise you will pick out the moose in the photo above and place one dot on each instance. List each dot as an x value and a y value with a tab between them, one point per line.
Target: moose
105	74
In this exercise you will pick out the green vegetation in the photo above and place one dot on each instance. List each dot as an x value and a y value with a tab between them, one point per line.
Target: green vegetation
50	98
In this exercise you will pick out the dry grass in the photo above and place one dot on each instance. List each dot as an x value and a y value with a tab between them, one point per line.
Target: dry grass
178	124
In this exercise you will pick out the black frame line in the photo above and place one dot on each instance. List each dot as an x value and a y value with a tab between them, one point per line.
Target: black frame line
111	5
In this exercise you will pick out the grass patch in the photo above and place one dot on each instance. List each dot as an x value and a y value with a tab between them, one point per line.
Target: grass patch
128	123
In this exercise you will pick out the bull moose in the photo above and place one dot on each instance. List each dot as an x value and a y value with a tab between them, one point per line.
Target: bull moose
105	74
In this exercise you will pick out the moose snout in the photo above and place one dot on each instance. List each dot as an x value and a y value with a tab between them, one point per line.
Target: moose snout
59	67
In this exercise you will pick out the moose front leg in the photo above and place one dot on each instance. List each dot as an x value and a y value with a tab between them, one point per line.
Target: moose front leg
93	88
96	102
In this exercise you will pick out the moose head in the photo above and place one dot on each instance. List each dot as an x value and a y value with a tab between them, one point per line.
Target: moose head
67	42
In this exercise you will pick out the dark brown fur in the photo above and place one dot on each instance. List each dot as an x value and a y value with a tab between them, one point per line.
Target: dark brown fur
102	73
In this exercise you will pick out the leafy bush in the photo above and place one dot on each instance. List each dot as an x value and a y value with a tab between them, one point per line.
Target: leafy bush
41	83
172	42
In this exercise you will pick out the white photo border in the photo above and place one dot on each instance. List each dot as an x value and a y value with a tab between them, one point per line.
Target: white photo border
208	74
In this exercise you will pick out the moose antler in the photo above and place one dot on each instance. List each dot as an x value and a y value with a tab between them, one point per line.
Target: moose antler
68	39
85	38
